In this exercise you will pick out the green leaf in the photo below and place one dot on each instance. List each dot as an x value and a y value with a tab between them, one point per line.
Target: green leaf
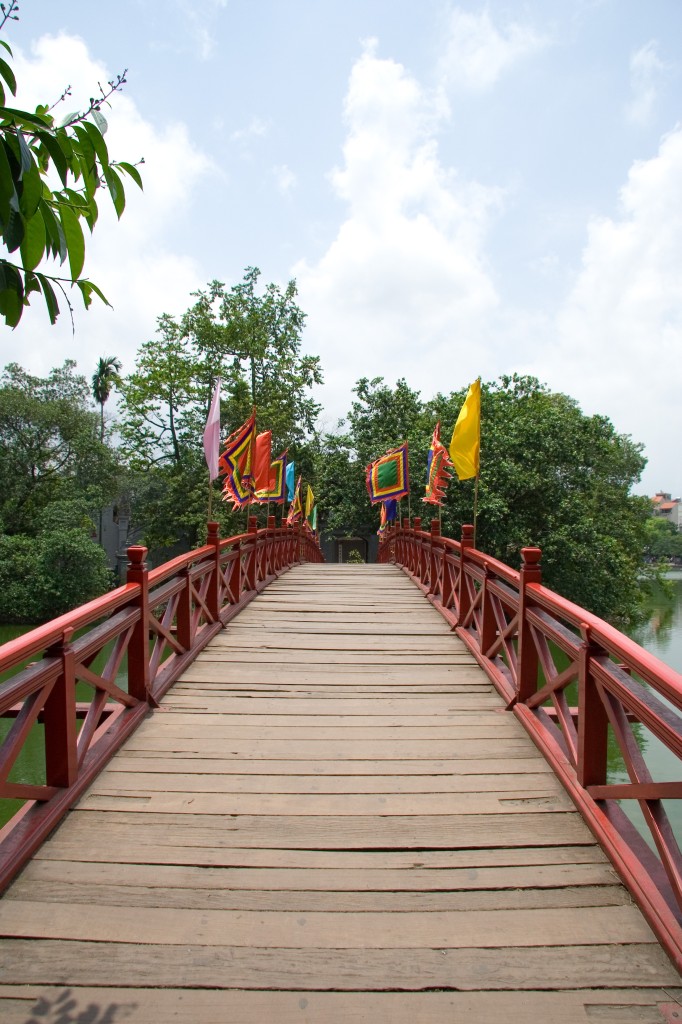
11	294
100	120
33	245
7	189
75	242
56	240
99	293
118	196
52	147
50	298
13	234
131	170
7	46
84	147
13	115
8	75
92	213
31	191
98	143
90	180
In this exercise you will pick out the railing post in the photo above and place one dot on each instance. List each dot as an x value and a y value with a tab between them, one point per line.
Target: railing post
270	548
213	594
138	648
464	595
488	630
184	612
592	720
434	562
527	655
59	716
251	573
415	553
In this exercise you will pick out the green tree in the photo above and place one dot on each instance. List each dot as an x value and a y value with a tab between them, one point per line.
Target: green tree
103	380
39	221
550	476
252	341
663	539
50	448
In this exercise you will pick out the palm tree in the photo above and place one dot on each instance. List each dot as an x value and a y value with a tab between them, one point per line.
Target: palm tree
103	379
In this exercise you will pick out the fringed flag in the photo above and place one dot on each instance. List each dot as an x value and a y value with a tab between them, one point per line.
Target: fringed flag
261	461
389	513
388	477
295	509
275	491
290	478
309	501
236	463
438	470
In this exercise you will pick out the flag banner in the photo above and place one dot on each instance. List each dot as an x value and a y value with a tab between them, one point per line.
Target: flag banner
438	470
295	509
275	490
261	462
466	437
309	501
212	434
236	463
389	513
313	520
291	476
388	476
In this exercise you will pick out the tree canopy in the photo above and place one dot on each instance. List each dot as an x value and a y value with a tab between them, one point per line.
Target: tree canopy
550	476
40	221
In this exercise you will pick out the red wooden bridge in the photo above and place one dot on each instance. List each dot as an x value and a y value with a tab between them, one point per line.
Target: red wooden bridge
376	793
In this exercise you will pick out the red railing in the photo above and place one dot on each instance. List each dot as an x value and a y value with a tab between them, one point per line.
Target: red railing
143	635
533	644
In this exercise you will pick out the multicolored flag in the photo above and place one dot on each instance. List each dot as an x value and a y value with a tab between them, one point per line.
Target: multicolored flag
212	434
388	476
309	501
275	490
295	509
389	513
236	463
438	470
466	437
290	476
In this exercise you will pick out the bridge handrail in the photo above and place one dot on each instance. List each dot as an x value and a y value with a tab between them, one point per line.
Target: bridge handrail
146	632
533	643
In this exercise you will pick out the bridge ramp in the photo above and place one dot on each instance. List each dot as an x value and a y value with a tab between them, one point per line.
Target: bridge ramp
330	818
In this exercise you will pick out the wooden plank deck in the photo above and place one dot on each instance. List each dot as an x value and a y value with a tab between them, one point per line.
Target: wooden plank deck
331	818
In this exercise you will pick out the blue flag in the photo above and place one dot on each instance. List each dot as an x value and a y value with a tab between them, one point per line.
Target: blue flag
291	481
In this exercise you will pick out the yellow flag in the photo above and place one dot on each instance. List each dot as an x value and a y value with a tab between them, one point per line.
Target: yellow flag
466	437
309	501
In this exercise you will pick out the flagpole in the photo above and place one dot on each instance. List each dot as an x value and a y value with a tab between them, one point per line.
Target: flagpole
475	506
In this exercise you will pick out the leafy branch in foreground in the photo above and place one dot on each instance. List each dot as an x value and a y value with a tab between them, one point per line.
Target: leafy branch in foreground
38	221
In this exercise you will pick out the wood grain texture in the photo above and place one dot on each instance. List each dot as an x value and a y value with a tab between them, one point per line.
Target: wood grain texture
331	818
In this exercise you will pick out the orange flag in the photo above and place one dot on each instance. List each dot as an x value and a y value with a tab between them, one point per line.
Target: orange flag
262	461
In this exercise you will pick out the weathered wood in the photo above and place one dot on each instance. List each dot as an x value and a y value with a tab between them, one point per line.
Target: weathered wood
331	815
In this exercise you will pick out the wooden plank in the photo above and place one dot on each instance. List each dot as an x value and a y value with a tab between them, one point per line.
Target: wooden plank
153	761
147	780
159	1006
502	968
408	878
353	750
325	804
320	931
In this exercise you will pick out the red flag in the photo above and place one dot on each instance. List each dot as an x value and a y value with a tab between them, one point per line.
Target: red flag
261	471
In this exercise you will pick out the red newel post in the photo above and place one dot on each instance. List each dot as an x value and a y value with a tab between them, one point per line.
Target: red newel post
464	595
59	716
213	595
434	559
593	720
527	655
138	648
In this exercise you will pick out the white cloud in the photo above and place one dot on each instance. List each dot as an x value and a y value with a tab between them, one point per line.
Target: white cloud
285	178
255	129
404	284
131	260
620	330
477	53
646	70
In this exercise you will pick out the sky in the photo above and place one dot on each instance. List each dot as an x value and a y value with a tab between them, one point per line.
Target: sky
459	189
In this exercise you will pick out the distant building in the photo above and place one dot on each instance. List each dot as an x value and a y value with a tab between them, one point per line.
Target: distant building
668	508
